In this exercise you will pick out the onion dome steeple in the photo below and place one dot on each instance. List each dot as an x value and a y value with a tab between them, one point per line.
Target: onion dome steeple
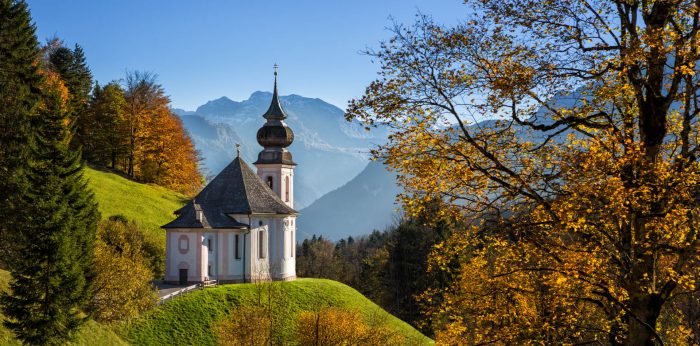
275	136
275	112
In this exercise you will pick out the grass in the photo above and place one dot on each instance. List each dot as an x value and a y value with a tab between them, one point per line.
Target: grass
188	320
150	206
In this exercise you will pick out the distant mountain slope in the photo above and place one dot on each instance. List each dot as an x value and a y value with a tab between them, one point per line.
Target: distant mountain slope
188	320
329	150
216	143
362	205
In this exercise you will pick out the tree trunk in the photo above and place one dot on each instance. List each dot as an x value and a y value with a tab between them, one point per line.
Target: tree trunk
646	308
131	156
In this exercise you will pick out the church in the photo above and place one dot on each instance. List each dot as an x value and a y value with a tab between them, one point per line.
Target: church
241	227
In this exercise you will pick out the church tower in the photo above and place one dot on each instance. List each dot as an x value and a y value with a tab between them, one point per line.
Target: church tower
275	165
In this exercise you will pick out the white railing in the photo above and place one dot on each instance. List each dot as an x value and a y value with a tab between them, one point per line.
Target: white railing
201	285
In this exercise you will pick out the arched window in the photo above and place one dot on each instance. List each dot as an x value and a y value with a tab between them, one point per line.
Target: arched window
261	245
286	189
269	181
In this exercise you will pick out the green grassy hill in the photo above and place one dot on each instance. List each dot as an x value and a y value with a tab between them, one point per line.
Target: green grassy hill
188	320
151	206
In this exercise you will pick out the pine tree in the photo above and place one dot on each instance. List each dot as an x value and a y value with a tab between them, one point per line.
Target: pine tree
71	66
19	97
110	130
48	214
52	269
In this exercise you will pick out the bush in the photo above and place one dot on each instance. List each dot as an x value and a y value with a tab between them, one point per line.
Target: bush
247	325
335	326
123	281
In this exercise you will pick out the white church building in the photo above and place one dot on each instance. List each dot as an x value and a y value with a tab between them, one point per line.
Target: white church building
241	227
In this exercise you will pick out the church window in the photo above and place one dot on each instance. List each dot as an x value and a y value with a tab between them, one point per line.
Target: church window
261	247
286	189
269	181
260	223
209	245
237	246
209	271
183	244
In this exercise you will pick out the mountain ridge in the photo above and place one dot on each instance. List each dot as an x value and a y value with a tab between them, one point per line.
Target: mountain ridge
329	150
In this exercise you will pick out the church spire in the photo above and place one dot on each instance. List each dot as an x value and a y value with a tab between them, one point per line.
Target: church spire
275	112
275	136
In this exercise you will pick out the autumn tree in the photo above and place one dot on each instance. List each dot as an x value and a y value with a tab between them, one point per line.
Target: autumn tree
159	150
581	186
246	325
144	97
122	287
335	326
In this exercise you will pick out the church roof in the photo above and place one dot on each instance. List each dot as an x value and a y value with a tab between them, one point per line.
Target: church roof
236	190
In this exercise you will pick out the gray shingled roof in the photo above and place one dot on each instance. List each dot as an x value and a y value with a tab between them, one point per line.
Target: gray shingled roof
236	190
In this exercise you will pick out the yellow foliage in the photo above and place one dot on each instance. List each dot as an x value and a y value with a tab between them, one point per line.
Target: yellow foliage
123	279
246	325
332	326
582	188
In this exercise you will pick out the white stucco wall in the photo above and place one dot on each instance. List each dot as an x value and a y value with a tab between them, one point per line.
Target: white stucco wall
278	172
181	253
278	263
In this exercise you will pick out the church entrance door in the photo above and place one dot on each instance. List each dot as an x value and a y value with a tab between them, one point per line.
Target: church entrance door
183	277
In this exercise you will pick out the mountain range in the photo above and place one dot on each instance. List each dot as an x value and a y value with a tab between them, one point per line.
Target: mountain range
364	204
332	156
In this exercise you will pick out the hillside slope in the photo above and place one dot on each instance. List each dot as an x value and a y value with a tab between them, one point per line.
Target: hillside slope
151	206
188	320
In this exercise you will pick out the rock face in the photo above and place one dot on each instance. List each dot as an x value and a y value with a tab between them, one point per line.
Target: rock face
329	150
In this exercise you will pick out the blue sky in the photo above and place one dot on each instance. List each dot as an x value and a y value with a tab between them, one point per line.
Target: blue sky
202	50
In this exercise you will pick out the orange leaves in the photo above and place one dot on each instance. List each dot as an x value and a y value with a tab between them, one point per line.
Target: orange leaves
583	196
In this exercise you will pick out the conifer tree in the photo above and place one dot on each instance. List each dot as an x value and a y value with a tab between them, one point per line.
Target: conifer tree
106	118
71	66
52	267
48	215
19	96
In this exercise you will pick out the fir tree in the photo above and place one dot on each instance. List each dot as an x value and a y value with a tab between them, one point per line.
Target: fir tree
48	214
52	267
19	97
76	75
